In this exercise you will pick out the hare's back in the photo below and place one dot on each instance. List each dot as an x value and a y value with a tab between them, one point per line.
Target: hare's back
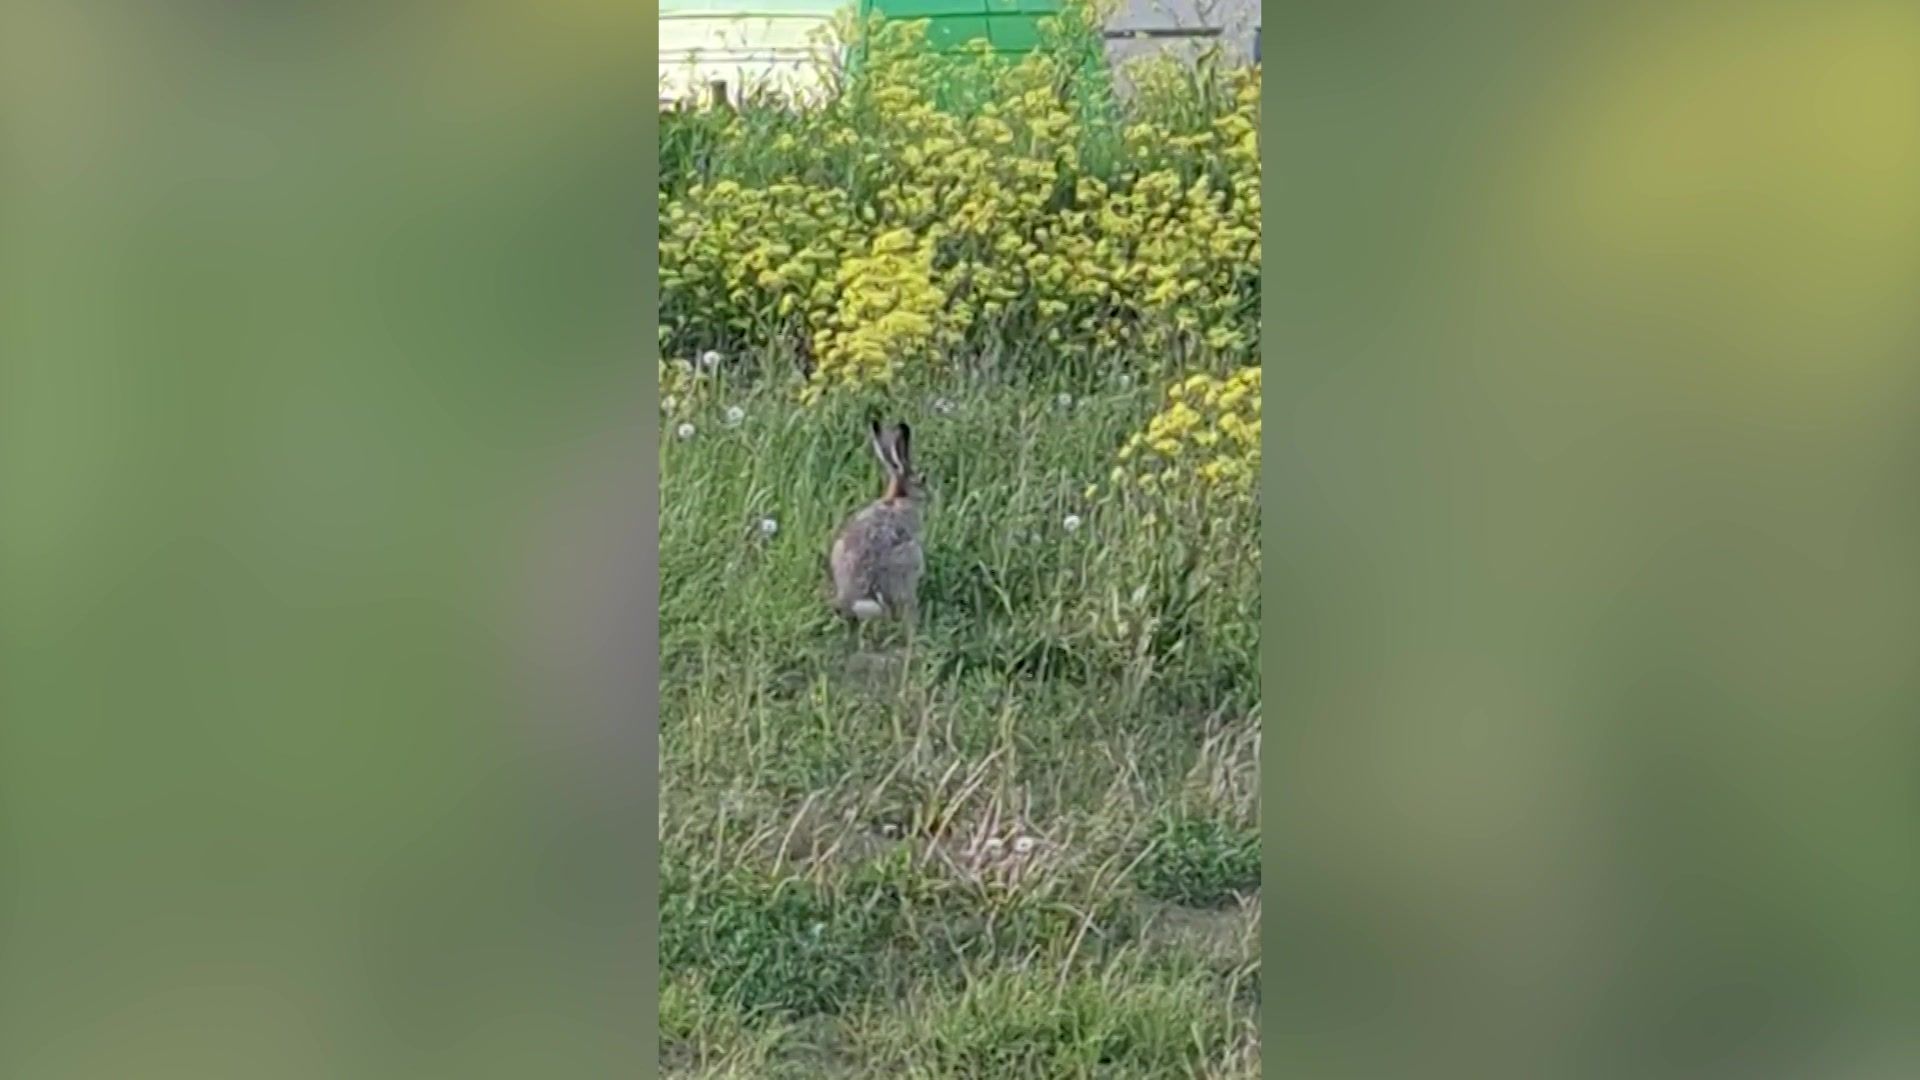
878	546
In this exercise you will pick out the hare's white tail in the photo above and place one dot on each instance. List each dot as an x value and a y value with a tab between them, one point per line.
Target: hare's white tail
865	609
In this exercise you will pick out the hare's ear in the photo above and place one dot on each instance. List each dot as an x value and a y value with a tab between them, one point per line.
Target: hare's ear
902	447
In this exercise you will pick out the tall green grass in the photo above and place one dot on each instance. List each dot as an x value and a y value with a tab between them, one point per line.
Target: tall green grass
846	820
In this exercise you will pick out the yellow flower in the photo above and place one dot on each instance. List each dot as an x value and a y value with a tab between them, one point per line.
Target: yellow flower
939	231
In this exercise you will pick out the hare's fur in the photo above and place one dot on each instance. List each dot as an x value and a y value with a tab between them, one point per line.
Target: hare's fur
876	559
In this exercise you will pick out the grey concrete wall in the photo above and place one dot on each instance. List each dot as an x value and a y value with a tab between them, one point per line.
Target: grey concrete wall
1235	19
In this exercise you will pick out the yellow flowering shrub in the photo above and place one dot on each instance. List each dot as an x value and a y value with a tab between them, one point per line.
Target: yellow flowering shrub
898	225
887	311
1205	441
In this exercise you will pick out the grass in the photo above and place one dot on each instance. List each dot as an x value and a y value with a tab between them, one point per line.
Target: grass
1199	861
1023	844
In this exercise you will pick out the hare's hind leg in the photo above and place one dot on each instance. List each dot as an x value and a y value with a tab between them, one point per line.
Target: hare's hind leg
849	619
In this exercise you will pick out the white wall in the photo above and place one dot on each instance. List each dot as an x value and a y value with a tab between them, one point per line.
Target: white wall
779	52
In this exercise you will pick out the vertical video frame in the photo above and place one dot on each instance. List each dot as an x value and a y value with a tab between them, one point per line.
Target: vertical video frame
959	381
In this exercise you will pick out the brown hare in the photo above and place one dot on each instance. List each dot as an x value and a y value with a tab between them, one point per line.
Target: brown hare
876	558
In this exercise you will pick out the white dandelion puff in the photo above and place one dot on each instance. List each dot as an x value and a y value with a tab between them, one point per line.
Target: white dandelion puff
768	526
1023	845
710	360
667	403
942	406
735	414
684	431
1065	401
1071	523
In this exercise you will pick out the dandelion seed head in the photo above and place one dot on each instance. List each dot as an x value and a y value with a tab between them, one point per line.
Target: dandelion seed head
684	431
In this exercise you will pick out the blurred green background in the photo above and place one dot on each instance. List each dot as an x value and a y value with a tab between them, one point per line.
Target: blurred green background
1592	542
325	582
325	495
